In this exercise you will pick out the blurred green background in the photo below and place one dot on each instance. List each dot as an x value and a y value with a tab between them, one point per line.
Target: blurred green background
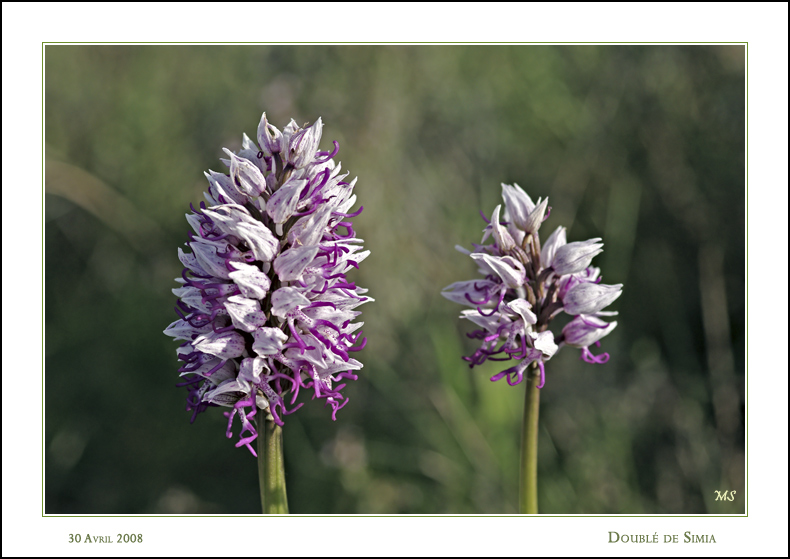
641	145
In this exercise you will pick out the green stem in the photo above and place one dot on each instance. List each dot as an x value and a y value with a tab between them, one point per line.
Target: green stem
271	472
528	481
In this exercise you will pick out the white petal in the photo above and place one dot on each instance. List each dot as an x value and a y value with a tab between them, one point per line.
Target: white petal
263	243
208	259
575	257
221	185
286	299
509	269
251	281
309	229
555	240
193	297
227	371
245	313
535	217
339	365
269	137
226	394
316	356
518	202
544	341
303	145
584	331
336	316
247	175
252	369
225	345
490	323
194	222
457	292
291	263
269	341
228	216
589	298
183	330
503	239
189	261
522	308
282	204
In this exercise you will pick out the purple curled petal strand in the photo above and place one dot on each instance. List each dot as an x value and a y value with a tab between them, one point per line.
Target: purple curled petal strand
483	302
325	155
355	214
542	374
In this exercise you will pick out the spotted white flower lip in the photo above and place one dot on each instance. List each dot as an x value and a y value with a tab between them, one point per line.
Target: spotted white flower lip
524	286
265	306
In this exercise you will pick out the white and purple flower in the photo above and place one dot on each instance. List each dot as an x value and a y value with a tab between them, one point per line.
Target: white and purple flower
264	303
524	286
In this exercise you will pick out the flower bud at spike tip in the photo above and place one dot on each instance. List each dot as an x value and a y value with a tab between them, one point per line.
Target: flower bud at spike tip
519	204
269	137
303	144
502	237
535	217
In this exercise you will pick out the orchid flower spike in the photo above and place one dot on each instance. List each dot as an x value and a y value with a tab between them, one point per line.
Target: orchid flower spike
523	287
265	308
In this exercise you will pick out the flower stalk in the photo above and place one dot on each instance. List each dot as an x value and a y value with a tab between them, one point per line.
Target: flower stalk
522	286
528	475
271	469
